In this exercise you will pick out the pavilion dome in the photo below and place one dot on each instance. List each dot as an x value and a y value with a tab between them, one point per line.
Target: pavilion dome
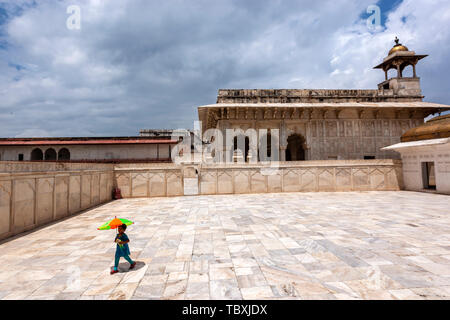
397	47
436	128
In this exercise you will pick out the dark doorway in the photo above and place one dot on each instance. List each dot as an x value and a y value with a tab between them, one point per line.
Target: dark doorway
37	155
428	175
63	154
20	156
50	154
295	150
245	151
265	140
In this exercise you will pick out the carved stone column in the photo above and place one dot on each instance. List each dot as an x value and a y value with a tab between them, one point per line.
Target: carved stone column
228	154
283	153
283	141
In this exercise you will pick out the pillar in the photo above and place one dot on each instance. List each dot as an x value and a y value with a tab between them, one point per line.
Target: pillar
283	141
399	72
228	154
283	153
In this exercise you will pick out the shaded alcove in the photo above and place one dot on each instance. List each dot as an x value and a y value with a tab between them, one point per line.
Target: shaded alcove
295	150
243	152
64	154
36	155
50	154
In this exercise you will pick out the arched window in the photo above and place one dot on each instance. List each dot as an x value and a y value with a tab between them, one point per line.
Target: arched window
63	154
50	154
37	155
237	150
265	140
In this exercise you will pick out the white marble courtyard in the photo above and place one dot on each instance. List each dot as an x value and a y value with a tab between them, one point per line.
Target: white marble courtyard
354	245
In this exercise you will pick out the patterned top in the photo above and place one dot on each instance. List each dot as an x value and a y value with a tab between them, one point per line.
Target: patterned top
122	250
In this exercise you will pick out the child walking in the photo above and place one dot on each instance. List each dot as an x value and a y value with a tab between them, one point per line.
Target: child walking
122	249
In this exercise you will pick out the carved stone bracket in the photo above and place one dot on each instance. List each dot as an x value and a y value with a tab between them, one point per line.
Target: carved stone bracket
274	114
376	113
360	113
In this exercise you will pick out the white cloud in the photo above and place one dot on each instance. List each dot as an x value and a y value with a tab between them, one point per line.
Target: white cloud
149	64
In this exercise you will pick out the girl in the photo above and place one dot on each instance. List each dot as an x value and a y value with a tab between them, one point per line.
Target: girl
122	249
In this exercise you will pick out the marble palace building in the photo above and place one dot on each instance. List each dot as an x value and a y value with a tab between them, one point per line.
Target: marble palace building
321	124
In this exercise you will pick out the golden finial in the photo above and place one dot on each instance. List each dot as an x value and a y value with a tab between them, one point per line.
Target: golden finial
398	46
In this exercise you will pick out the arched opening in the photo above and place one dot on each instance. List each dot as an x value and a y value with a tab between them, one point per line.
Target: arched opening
37	155
238	152
392	73
50	154
63	154
295	150
408	72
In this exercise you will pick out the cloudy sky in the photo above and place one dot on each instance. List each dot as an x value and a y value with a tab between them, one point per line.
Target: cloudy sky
149	64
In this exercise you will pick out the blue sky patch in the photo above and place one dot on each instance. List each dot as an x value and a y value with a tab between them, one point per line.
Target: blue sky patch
18	67
386	7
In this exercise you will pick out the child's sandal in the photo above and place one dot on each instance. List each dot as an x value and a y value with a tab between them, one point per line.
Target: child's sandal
133	265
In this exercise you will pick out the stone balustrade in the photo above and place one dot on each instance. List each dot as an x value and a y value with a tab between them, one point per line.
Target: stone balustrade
34	194
302	176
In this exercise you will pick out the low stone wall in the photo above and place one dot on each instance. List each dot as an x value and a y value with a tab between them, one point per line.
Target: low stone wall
44	166
303	176
149	180
306	176
44	192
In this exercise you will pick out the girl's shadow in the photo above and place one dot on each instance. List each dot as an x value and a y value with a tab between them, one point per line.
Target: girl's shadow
125	266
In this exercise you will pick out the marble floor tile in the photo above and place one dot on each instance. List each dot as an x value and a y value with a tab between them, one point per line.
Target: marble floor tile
175	290
255	293
123	291
224	290
154	291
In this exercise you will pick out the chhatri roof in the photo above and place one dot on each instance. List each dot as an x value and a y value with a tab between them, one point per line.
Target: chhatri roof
397	47
436	128
401	56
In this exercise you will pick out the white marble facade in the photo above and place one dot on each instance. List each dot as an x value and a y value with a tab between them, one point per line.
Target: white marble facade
414	154
327	132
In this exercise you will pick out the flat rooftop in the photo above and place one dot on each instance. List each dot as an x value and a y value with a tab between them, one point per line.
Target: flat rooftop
84	141
308	96
343	245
